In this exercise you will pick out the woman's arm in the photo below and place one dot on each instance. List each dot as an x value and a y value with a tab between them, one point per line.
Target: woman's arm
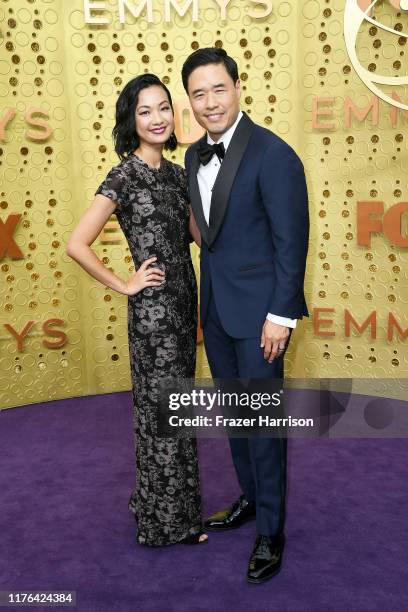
79	248
194	231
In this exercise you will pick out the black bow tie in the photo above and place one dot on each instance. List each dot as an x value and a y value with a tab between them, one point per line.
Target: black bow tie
206	151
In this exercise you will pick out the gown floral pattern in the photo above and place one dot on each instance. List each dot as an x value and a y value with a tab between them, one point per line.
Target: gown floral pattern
152	210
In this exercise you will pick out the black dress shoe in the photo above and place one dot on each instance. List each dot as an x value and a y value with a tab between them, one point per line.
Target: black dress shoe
236	515
266	558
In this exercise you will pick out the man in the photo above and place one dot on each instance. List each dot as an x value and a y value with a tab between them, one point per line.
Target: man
249	197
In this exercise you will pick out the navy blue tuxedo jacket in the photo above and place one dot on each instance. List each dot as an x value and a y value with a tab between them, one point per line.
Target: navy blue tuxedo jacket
253	251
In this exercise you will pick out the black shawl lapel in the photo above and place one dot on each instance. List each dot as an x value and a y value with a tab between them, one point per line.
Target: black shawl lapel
195	197
226	175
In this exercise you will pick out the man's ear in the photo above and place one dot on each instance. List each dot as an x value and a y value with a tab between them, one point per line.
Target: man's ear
238	87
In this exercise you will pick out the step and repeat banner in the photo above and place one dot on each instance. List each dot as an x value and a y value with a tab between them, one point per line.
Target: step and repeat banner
328	76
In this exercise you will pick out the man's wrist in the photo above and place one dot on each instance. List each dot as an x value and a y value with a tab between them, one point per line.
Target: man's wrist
285	321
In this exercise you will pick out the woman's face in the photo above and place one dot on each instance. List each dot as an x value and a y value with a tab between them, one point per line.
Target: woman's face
153	116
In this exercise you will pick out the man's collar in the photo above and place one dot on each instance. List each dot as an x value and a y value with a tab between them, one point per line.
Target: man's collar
226	137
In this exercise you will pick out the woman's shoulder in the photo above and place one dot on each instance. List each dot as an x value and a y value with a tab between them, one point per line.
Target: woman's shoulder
116	182
124	163
177	170
121	169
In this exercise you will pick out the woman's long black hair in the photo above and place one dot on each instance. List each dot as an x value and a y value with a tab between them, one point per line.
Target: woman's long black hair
124	133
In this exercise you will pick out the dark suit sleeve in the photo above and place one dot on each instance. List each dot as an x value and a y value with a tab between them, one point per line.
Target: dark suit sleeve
284	193
187	157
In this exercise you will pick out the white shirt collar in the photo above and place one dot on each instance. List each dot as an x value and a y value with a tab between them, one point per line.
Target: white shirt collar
226	137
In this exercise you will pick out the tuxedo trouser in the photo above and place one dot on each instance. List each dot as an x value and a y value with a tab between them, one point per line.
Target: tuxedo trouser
260	463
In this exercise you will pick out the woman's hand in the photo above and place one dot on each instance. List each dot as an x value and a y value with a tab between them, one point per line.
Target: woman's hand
144	277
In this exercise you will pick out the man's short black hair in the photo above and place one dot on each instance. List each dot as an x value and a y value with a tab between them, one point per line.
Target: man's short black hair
209	55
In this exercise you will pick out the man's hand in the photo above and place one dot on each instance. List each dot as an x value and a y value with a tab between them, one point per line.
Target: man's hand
273	340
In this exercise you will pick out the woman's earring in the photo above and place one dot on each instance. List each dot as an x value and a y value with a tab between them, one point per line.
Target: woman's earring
172	142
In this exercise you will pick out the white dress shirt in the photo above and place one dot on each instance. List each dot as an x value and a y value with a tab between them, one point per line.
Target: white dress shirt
206	178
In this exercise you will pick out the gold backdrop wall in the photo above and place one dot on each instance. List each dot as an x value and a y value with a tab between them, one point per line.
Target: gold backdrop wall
72	331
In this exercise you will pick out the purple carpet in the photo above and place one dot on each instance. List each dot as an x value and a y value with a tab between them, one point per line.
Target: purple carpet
66	474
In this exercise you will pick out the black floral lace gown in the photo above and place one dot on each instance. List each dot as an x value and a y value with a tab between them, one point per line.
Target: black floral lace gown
152	210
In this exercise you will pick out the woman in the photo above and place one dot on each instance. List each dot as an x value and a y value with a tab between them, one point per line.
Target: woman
148	194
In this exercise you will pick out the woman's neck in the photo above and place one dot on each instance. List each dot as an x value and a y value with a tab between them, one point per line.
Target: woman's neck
151	155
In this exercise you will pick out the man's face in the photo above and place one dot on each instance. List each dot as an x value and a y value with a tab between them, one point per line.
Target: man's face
214	98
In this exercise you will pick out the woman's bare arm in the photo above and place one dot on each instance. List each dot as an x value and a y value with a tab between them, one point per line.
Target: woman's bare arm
194	231
79	248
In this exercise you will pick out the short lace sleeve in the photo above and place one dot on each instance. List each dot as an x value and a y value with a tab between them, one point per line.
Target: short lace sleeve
115	187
